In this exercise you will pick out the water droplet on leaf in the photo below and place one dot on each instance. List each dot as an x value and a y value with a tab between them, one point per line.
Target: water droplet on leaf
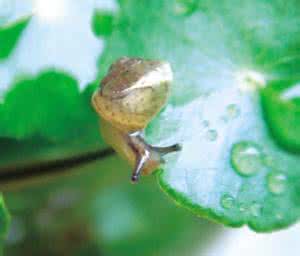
212	135
232	111
242	207
227	201
247	158
180	8
249	80
185	8
204	124
277	182
269	161
255	209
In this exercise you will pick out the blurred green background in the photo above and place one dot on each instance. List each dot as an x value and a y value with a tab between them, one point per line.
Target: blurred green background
94	212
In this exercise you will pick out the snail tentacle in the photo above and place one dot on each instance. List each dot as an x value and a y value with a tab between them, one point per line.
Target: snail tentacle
166	150
138	169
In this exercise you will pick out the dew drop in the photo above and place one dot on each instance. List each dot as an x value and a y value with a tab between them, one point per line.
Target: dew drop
247	158
277	182
255	209
204	124
180	8
185	8
250	80
232	111
279	216
211	135
227	201
242	207
269	161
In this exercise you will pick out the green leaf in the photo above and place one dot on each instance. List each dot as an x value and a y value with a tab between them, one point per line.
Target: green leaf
50	106
102	23
9	36
281	103
229	169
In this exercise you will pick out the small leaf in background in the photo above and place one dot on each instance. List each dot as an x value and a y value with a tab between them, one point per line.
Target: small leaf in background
281	103
60	112
9	36
75	50
49	106
230	169
102	23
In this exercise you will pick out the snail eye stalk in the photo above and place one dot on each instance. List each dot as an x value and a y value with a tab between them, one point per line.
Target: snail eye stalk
147	156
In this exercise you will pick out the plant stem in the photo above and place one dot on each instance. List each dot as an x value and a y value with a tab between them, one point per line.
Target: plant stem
16	174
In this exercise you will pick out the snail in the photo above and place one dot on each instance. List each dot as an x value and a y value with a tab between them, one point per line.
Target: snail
131	94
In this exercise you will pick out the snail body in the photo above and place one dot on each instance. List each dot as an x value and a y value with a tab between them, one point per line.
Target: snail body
131	94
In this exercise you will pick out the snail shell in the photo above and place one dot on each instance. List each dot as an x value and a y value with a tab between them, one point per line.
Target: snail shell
133	92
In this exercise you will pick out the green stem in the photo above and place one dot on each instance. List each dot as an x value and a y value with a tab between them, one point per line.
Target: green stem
20	174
